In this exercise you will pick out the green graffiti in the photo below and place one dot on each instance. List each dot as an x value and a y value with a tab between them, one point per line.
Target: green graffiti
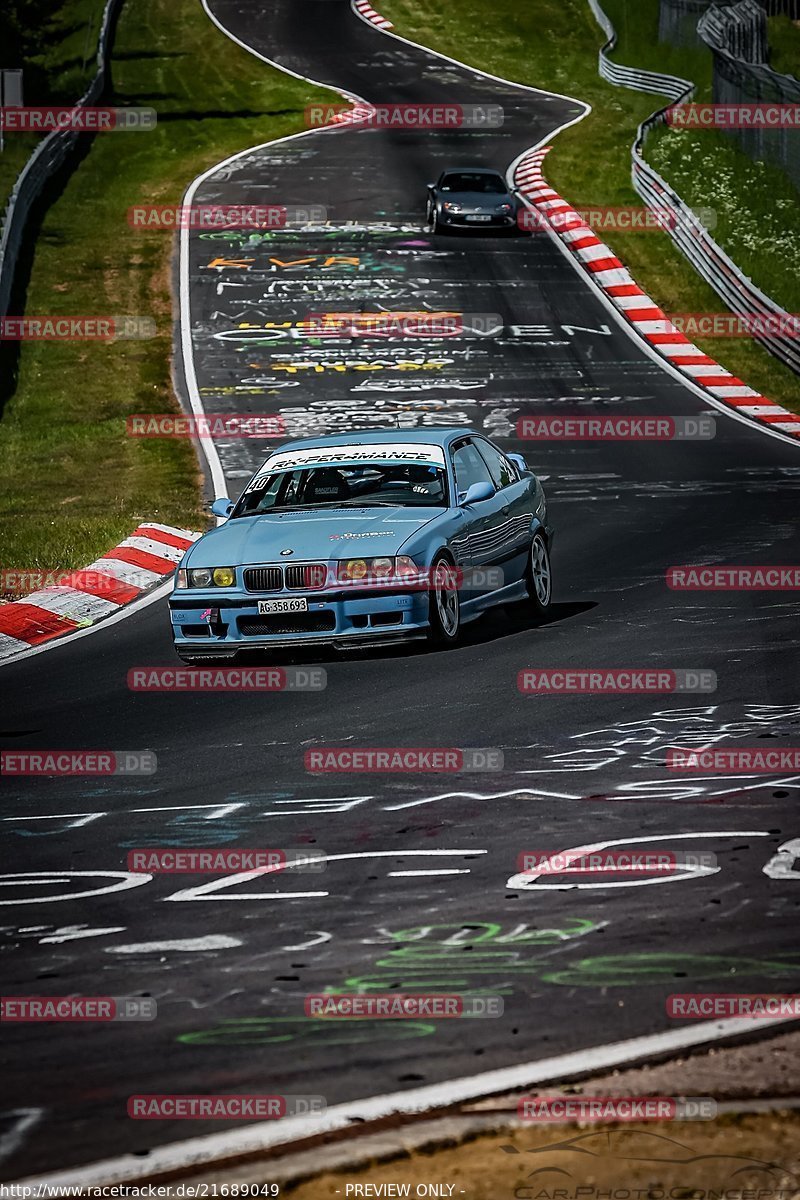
257	237
447	957
424	958
636	970
272	1031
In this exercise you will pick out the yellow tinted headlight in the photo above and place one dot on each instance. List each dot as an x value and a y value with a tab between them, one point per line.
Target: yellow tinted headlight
224	576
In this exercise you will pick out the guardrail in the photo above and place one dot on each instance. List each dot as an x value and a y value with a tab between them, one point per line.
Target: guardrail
693	240
630	77
45	160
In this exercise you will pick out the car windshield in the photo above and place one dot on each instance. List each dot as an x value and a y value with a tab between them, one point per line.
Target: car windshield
463	182
347	485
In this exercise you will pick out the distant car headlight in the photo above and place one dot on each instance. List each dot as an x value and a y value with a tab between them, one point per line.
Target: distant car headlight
203	577
449	206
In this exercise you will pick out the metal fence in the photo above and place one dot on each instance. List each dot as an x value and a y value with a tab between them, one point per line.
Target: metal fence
45	160
708	258
677	19
737	38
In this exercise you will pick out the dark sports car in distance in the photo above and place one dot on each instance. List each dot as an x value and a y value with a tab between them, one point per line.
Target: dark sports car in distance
471	198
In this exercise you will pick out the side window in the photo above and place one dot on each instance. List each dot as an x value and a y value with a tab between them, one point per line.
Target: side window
469	468
503	471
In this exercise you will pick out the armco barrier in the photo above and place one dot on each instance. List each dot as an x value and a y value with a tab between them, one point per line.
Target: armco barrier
45	161
708	258
639	81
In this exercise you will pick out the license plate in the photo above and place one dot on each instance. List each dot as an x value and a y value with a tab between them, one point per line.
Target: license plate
478	217
296	604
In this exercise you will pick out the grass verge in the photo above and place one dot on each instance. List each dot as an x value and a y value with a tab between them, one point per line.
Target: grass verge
784	45
553	44
73	483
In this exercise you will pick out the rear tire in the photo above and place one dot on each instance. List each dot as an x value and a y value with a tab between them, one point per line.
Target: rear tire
539	577
444	608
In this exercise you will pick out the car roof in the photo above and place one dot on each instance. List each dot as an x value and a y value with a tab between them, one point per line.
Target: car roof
473	171
372	437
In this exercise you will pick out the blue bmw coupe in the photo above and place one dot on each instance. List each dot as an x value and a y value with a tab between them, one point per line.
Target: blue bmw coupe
365	538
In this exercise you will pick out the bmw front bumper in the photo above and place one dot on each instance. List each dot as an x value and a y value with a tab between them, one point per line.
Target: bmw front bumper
214	624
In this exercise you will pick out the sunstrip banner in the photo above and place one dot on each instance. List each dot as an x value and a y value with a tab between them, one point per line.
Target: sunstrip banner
331	456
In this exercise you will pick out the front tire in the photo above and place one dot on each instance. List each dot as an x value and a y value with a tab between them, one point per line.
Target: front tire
539	576
444	611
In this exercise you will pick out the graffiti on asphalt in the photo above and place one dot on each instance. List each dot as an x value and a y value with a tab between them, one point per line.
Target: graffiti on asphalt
425	958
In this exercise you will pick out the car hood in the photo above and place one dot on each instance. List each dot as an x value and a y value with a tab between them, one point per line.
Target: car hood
321	535
477	200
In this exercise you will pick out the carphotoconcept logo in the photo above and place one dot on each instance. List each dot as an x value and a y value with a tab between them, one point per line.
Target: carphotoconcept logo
558	1110
227	679
78	762
566	427
401	760
416	117
48	1009
234	1107
224	860
400	1005
205	217
602	681
734	578
76	329
688	1005
219	425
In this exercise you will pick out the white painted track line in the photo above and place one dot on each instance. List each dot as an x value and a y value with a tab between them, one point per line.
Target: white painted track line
214	1149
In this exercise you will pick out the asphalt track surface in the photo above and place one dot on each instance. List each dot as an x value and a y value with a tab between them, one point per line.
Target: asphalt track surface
575	968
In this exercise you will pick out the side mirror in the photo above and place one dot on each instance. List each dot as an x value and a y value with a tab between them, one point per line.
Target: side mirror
222	507
519	461
477	492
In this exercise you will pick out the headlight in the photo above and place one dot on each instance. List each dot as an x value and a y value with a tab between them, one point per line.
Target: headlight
377	570
352	569
449	206
203	577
